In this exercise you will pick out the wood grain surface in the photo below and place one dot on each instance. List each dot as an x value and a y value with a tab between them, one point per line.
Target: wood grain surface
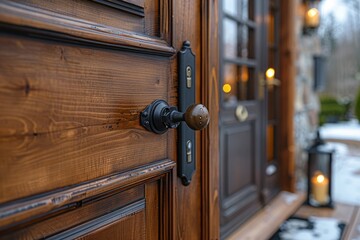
73	110
36	205
287	93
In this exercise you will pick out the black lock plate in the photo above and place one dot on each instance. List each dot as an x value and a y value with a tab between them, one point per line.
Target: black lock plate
186	144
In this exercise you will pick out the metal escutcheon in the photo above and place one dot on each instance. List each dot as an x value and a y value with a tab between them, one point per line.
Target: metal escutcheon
241	113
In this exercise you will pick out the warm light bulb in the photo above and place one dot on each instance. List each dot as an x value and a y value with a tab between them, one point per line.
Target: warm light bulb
312	12
320	178
227	88
270	73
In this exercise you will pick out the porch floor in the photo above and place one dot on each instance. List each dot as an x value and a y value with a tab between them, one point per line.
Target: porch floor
267	221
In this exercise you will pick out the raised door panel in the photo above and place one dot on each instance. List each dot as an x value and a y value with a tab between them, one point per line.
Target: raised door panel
71	113
134	213
239	160
239	174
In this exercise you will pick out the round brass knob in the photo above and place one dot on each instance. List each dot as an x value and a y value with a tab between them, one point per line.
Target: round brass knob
158	117
197	116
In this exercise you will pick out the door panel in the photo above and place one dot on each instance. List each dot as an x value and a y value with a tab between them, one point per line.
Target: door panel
75	161
239	159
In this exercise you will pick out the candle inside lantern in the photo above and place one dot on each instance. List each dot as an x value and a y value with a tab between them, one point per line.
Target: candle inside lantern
320	188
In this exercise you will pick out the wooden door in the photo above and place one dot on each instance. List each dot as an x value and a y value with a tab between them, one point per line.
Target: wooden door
75	161
241	111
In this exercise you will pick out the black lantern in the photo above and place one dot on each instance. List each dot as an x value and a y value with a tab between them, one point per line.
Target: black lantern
320	158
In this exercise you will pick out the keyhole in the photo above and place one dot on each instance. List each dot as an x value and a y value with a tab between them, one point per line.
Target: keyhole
188	77
188	151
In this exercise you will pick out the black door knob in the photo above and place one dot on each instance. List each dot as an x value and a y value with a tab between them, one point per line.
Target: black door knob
158	117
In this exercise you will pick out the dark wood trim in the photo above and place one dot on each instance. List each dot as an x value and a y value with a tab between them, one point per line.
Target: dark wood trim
287	92
56	25
124	6
102	221
30	207
167	195
166	21
210	136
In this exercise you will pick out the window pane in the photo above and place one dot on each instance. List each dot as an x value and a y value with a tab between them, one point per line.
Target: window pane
244	42
244	83
271	103
230	38
271	58
271	29
244	6
251	43
238	83
230	7
230	83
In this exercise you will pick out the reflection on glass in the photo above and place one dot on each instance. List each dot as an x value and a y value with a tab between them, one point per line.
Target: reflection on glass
271	104
244	76
271	29
271	57
244	6
230	38
230	6
244	40
230	83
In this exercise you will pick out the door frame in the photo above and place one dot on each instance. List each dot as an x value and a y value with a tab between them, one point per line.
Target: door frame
209	95
288	52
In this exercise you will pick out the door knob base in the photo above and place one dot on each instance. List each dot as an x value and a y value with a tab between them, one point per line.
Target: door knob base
152	117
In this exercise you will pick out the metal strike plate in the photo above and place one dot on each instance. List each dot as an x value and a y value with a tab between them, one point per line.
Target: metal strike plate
186	144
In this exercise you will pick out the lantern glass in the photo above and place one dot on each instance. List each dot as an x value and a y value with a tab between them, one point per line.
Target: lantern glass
319	176
311	15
